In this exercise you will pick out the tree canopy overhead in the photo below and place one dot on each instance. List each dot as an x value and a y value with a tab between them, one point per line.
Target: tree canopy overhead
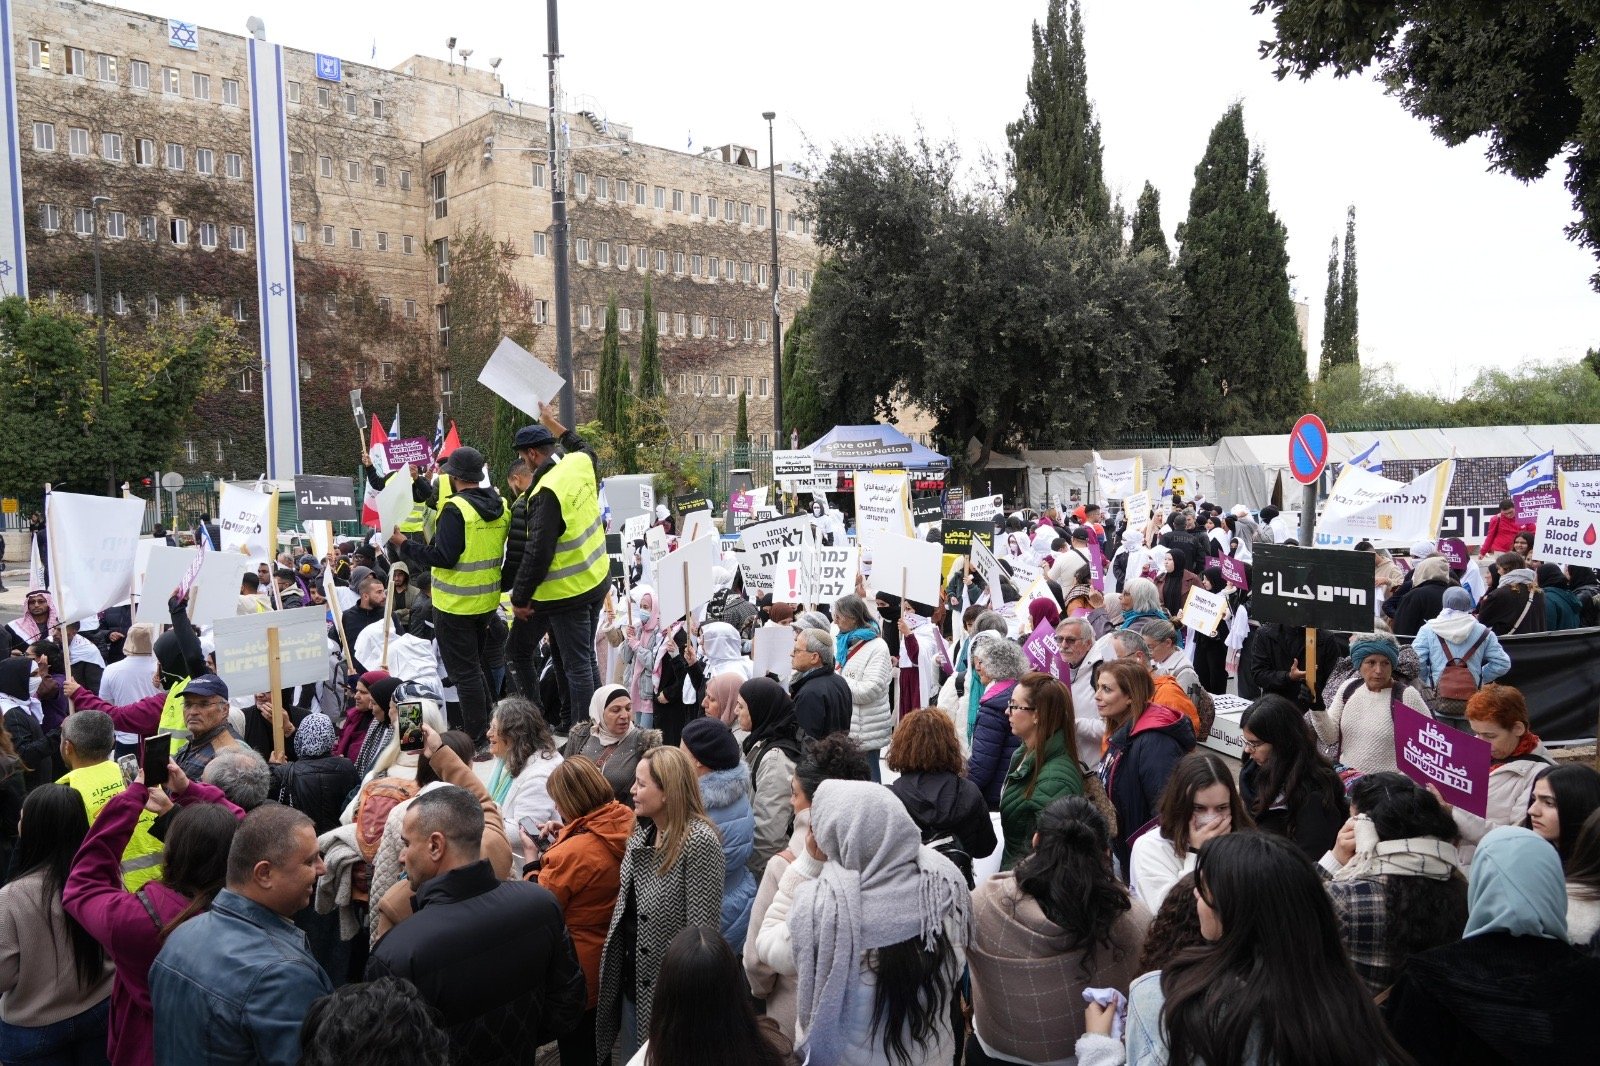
1525	74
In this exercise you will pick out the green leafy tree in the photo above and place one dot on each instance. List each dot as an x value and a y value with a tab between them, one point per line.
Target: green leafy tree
741	428
1524	76
1056	163
1147	232
49	376
625	413
1238	362
606	398
1332	316
1356	397
1340	317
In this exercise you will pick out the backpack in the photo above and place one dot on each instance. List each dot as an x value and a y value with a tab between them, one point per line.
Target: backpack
377	798
1456	681
950	847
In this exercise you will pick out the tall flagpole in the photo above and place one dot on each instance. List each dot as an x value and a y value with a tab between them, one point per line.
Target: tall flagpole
280	360
13	249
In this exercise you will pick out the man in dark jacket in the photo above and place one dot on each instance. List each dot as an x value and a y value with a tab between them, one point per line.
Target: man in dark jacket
822	700
1278	660
364	612
492	957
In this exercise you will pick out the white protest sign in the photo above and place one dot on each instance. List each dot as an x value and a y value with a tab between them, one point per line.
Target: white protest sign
302	648
687	570
982	508
141	562
816	481
394	502
1568	537
1364	506
833	573
1203	611
697	524
321	534
988	568
163	570
791	582
520	378
634	529
1119	478
1137	508
1581	490
792	463
770	651
216	592
905	566
246	520
882	503
760	545
93	544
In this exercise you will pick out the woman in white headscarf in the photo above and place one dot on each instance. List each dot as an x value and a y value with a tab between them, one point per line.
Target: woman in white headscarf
611	740
642	641
723	651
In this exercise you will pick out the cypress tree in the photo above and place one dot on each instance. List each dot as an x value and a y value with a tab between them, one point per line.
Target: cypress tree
1056	163
1349	319
1147	224
1239	366
606	389
623	409
1332	316
650	379
741	429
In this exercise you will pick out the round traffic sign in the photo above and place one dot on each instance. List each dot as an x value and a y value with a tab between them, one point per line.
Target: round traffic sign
172	481
1308	449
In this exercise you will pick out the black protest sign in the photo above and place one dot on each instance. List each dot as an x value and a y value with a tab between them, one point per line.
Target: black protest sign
688	504
926	509
614	550
323	498
1323	588
958	536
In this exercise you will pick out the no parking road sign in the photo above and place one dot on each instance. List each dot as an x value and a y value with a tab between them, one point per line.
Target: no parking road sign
1308	449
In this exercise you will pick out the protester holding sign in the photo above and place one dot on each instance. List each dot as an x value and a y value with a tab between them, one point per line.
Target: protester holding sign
1498	715
1359	719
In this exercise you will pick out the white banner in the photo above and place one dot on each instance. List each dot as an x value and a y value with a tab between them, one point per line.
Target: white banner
1119	478
1568	537
760	546
817	481
13	247
520	378
791	576
1137	508
792	463
394	502
247	520
771	649
984	507
687	572
302	648
1203	610
1581	490
905	566
882	503
93	542
1364	506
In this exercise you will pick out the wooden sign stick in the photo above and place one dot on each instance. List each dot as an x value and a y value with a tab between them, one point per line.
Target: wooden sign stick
388	613
275	679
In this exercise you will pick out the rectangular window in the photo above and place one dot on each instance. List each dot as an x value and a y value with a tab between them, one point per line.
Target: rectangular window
144	152
761	275
178	230
169	80
441	320
662	321
439	188
325	165
777	220
230	92
678	262
207	233
661	196
139	74
147	227
204	161
625	319
324	96
377	108
152	305
44	136
623	192
728	267
805	279
713	268
201	83
697	265
408	245
352	170
661	261
385	367
716	326
728	208
747	386
541	244
744	272
330	304
791	277
441	261
116	225
411	308
711	208
327	234
602	188
602	253
622	256
39	54
638	193
105	68
580	185
641	256
749	329
111	147
77	61
586	379
350	103
299	233
699	389
694	203
764	331
791	221
761	215
677	199
538	175
236	239
680	323
49	218
235	165
174	156
383	241
77	141
297	163
119	304
585	317
405	181
762	387
541	312
744	214
728	325
580	249
697	325
355	238
294	92
380	175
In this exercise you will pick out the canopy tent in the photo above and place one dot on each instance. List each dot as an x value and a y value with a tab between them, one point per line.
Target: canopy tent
875	447
1054	476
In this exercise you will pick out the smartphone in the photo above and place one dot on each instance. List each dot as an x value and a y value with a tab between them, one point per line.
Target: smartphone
408	718
542	841
157	750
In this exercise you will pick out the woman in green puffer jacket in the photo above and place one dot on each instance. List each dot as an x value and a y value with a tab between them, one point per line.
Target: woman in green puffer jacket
1045	767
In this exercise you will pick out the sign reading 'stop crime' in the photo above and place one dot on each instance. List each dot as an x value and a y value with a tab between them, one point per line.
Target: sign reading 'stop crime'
1324	588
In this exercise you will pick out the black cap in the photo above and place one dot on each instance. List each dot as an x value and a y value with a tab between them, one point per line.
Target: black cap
533	437
206	685
464	463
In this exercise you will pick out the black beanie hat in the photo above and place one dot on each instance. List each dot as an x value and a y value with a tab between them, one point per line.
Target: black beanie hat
711	742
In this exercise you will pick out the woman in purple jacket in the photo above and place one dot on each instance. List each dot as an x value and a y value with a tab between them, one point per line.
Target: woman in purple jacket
133	925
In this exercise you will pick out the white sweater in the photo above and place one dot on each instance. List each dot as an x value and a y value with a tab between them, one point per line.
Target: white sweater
1363	726
529	797
1154	867
868	673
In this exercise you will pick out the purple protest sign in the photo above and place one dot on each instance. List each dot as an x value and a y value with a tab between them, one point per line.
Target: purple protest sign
1455	550
1042	654
742	503
418	451
1097	563
1455	763
1543	498
1234	573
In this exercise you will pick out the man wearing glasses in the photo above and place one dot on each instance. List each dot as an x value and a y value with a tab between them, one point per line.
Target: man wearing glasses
1074	638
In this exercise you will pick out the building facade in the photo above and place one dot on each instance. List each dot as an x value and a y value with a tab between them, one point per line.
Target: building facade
393	173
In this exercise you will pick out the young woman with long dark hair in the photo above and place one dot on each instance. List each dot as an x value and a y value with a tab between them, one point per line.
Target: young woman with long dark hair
1583	884
1200	803
1563	798
55	980
702	1011
1290	789
1060	920
1273	949
1045	767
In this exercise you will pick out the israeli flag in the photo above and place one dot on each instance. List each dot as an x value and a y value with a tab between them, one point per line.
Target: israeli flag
1540	470
1370	460
185	35
1473	582
13	245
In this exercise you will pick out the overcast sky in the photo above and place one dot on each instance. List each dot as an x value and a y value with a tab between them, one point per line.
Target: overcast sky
1459	268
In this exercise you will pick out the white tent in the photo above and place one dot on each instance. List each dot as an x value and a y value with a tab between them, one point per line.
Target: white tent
1053	476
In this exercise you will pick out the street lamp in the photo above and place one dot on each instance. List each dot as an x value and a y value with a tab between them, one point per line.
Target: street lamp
100	343
558	223
772	221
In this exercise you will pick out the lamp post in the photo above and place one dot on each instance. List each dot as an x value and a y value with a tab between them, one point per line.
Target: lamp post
558	224
772	221
100	342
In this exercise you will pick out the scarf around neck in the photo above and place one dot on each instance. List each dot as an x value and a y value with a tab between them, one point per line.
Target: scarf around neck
1427	857
845	641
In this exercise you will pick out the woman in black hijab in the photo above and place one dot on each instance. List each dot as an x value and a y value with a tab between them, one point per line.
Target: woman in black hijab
771	751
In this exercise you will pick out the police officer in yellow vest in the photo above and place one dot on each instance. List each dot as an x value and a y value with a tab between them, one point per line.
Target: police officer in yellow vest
559	583
87	738
468	545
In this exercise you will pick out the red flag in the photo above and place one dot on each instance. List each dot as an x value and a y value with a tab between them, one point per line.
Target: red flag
452	441
378	449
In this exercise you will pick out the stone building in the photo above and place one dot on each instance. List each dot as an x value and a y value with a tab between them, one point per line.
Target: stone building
391	169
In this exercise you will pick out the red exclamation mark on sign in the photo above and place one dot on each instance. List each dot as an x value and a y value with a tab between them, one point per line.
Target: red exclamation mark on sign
1588	538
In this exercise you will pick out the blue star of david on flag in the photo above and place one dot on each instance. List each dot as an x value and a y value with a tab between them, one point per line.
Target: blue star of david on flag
277	288
183	35
5	268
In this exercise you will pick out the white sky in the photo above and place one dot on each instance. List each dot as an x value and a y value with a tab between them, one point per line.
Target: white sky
1459	268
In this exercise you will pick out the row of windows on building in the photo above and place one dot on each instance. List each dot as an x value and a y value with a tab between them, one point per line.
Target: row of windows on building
716	441
141	151
207	235
679	324
170	81
722	385
119	304
625	256
353	170
708	207
359	239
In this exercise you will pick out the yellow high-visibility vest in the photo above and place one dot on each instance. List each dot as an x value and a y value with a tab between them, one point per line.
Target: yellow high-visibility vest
472	585
580	562
141	859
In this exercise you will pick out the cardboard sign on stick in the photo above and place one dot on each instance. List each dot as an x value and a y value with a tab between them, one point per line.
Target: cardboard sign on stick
93	545
520	378
1137	508
791	576
882	503
163	570
247	521
684	580
1431	753
216	593
770	650
833	573
1203	610
394	502
903	566
697	525
1567	537
302	648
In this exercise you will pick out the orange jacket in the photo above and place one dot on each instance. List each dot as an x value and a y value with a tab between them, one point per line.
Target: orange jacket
583	871
1170	694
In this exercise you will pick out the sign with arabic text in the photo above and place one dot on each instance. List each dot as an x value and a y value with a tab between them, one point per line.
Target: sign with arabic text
320	497
1455	763
1324	588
